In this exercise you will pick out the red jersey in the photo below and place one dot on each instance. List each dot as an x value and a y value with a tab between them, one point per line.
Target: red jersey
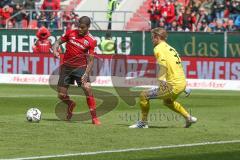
51	5
77	48
42	46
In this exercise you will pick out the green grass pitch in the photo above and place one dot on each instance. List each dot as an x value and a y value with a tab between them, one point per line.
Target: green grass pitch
218	113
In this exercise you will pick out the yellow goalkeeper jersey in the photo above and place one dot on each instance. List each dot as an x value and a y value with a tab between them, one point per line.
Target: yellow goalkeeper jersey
171	68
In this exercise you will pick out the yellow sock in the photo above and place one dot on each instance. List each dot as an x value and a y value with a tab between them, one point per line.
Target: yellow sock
144	104
177	107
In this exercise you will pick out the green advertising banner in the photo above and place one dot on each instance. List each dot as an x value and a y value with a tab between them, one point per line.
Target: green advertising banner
128	43
23	40
193	44
233	44
138	43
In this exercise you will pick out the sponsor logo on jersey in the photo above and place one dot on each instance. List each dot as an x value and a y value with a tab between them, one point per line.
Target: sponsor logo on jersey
77	44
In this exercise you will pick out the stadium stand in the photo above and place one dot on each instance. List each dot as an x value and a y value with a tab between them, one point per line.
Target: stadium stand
196	15
173	15
28	15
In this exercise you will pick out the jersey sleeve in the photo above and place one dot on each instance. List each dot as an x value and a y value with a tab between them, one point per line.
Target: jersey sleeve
92	47
65	37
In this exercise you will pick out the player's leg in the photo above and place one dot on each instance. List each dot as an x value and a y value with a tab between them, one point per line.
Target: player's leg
164	90
64	97
91	102
145	97
144	105
175	106
63	85
178	108
77	75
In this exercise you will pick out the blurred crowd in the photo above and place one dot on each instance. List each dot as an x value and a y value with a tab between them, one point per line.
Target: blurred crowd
173	15
25	12
195	15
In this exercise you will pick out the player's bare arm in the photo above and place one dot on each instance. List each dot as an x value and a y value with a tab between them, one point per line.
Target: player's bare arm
88	69
55	47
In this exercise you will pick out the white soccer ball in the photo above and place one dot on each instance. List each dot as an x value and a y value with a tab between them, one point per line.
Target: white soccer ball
33	115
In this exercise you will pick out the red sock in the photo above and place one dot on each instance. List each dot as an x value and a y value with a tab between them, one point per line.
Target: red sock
92	106
67	100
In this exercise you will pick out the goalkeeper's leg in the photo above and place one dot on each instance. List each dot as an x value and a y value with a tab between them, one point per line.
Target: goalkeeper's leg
177	107
144	104
145	96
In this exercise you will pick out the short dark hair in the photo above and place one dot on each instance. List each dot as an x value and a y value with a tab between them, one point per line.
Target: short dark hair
85	20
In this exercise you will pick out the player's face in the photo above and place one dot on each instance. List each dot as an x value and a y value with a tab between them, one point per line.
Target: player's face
155	39
83	29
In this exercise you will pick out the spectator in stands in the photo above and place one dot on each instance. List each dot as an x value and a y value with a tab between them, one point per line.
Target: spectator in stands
43	44
207	5
195	5
188	20
108	45
162	23
30	5
219	26
112	6
179	17
178	5
5	13
174	26
237	22
230	26
20	14
186	2
66	18
38	6
154	11
15	2
69	19
204	27
49	17
168	12
4	3
51	5
234	9
74	18
201	16
218	8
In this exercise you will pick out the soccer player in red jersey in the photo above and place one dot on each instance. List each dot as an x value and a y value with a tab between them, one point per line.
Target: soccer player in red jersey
77	65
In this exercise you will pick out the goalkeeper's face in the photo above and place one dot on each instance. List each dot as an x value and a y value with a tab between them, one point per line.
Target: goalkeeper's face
83	29
155	39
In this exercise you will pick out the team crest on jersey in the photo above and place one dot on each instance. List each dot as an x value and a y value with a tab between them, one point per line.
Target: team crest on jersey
86	42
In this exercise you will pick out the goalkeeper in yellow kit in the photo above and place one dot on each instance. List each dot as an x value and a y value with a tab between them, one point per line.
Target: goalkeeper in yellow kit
172	81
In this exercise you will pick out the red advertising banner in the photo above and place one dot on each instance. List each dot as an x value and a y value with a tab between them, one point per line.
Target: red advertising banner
129	66
212	68
24	63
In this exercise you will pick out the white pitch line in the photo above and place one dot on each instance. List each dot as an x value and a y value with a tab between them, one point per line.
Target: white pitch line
126	150
26	96
33	95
